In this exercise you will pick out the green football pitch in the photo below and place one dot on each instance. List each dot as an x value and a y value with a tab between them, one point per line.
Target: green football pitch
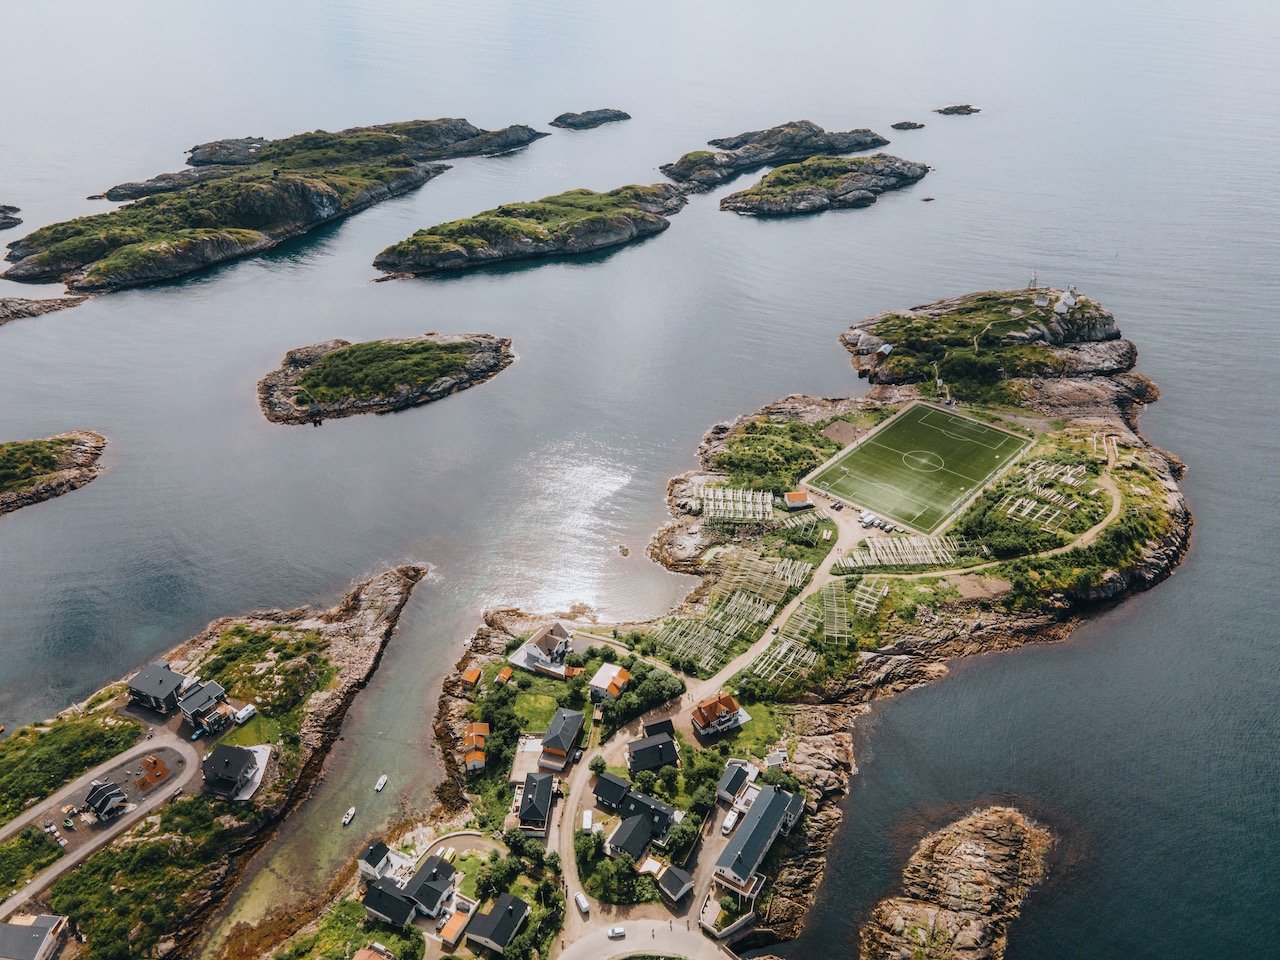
919	467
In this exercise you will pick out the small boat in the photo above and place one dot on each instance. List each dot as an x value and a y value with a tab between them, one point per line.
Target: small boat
382	782
348	816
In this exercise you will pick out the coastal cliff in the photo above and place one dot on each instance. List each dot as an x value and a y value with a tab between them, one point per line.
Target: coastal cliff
824	183
198	847
567	224
246	195
39	470
797	140
411	378
961	887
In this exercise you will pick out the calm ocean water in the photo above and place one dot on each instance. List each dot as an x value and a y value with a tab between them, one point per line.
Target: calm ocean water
1128	149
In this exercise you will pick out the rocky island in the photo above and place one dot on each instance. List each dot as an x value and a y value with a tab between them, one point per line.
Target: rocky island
961	888
958	110
150	890
7	218
589	119
797	140
567	224
32	471
341	379
20	308
907	125
824	183
245	196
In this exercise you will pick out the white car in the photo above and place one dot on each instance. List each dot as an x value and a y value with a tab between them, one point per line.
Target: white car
617	933
582	903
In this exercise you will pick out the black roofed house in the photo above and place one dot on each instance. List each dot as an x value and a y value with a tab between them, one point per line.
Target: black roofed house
660	726
430	887
497	928
385	901
535	803
227	770
674	883
156	687
645	821
29	937
200	706
773	812
561	738
631	836
106	800
652	752
735	777
610	791
373	861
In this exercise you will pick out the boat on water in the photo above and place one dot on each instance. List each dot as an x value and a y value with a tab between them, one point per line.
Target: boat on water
348	816
382	782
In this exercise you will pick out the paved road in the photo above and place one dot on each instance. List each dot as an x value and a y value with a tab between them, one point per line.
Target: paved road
50	809
665	937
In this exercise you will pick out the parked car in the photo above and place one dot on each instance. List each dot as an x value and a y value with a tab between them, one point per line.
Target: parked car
730	822
616	933
582	903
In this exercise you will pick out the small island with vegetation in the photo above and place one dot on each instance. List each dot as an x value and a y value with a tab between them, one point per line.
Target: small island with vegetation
341	379
35	470
567	224
961	888
243	197
589	119
824	183
787	142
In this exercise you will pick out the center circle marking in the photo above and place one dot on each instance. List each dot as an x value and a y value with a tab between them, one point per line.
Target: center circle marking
925	461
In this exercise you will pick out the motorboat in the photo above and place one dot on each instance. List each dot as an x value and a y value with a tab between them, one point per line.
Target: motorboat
382	782
348	816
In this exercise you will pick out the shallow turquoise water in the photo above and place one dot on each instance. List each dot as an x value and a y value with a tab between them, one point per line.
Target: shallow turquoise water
1128	150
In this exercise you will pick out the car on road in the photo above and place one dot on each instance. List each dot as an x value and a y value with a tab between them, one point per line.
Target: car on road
582	903
617	933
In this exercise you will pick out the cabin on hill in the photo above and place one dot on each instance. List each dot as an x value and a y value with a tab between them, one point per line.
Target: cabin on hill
156	687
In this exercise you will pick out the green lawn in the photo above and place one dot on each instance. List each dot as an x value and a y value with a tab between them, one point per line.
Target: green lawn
258	730
468	864
23	856
920	467
535	710
757	736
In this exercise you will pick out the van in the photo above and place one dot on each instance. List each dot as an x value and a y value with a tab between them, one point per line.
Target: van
583	906
245	714
730	822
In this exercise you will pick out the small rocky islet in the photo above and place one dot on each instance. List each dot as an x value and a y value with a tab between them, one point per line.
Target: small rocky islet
32	471
244	196
907	125
824	183
958	110
7	218
21	308
567	224
589	119
337	378
785	143
961	888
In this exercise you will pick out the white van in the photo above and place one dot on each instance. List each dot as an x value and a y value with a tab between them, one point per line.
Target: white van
583	906
245	714
730	822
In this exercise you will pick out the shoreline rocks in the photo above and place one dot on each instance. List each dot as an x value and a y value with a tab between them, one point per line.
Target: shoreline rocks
907	125
785	143
7	218
77	467
824	183
20	308
568	224
589	119
961	888
958	110
277	390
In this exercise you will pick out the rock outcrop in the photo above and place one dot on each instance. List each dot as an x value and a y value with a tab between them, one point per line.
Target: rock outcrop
958	110
77	465
798	140
7	218
283	402
824	183
589	119
20	308
961	888
907	125
568	224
